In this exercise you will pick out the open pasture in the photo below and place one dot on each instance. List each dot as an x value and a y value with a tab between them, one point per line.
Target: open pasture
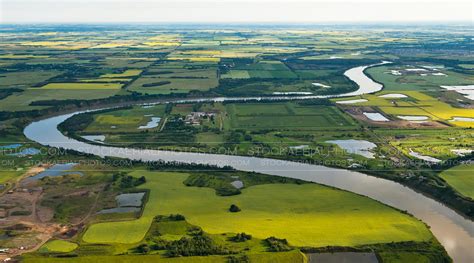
21	101
82	86
461	178
25	79
267	210
126	120
287	116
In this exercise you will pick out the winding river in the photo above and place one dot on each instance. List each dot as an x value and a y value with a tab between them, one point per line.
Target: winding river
454	231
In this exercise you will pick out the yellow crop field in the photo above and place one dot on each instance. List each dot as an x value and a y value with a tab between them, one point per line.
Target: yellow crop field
127	73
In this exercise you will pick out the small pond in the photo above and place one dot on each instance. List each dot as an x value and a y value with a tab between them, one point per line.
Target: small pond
412	118
237	184
153	123
56	170
94	138
393	96
424	157
360	147
375	116
351	101
126	203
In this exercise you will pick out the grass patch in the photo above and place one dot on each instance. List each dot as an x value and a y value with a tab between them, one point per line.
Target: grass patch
61	246
461	178
279	210
82	86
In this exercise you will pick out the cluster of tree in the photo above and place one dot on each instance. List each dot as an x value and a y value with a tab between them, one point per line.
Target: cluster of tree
323	102
241	237
7	92
197	245
126	181
277	245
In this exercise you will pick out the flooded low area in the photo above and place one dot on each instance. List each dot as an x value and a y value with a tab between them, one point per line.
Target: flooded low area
10	146
299	147
393	96
375	116
466	90
342	257
292	93
351	101
424	157
317	84
360	147
25	152
126	203
130	199
412	117
466	119
462	152
237	184
56	170
153	123
94	138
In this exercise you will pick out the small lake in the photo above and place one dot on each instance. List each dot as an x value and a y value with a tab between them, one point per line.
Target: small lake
153	123
375	116
360	147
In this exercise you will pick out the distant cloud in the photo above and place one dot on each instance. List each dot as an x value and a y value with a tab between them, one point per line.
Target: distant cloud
283	11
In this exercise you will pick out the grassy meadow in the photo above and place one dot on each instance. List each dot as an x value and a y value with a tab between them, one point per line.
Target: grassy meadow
267	210
461	178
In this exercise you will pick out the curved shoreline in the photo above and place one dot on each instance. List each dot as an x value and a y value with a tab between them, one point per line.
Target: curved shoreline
452	230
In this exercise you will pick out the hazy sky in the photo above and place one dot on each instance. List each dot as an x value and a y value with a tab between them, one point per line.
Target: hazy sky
12	11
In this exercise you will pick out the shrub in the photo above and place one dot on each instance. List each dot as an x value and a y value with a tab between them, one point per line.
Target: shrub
234	209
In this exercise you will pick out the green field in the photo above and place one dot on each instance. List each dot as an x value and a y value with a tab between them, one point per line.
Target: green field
281	257
461	178
82	86
267	210
21	101
127	120
58	246
287	116
415	81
